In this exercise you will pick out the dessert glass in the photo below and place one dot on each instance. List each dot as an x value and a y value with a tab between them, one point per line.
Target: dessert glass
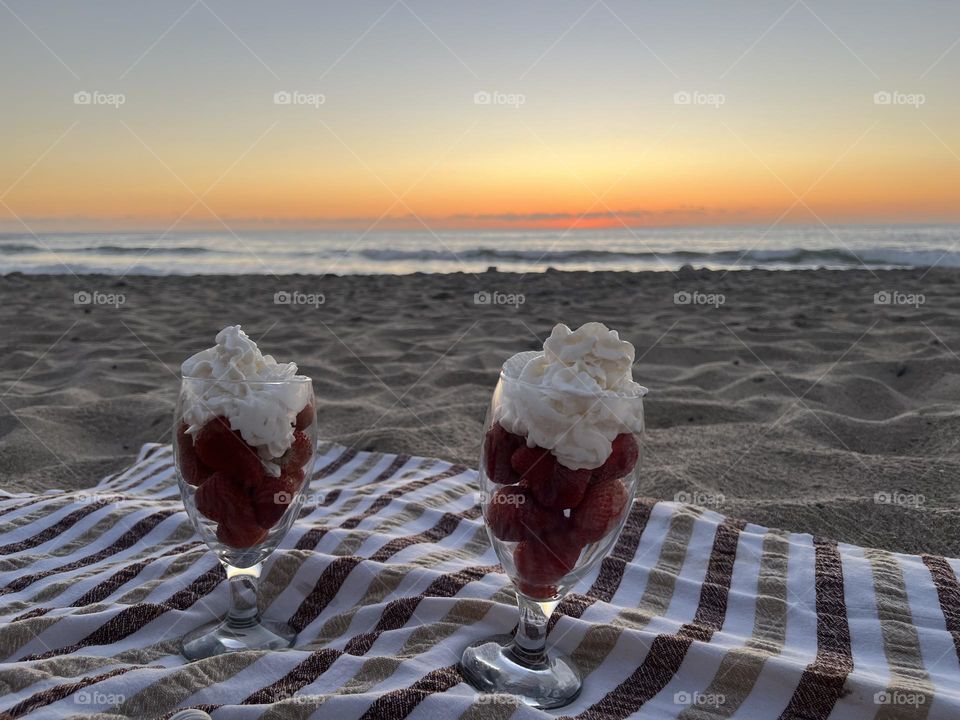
549	526
239	507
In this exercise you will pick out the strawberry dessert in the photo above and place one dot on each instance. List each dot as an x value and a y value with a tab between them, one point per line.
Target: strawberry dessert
561	451
244	441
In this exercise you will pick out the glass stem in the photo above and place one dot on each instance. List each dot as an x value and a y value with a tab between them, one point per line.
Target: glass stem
244	594
530	641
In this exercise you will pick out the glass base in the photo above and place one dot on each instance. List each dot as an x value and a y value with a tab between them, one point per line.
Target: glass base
225	637
498	665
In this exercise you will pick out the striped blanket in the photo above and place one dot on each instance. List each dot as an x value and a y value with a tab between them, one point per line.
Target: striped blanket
388	575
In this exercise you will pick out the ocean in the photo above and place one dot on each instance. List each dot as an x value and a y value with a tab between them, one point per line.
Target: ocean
325	252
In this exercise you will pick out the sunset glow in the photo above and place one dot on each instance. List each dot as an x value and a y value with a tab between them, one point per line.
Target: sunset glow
407	119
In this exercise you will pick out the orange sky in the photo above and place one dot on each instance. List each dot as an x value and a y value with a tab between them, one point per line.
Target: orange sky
595	135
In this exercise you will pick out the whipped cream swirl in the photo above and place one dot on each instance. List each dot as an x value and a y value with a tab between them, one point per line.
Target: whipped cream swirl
264	414
576	396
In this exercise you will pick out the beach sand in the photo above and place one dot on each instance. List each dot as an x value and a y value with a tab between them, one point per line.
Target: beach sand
791	404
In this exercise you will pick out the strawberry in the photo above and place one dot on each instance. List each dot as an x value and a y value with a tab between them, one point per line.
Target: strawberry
542	562
563	489
504	513
306	416
533	464
220	496
273	495
622	458
294	478
240	534
513	514
498	447
299	453
221	448
192	470
599	511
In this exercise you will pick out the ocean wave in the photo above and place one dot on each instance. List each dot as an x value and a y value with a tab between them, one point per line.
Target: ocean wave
18	248
746	257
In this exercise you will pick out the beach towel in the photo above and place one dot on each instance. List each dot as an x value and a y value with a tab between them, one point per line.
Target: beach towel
388	574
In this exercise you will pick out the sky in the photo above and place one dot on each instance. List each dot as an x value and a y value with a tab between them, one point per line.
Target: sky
206	114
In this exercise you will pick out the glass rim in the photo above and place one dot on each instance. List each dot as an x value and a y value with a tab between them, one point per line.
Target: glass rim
245	381
640	391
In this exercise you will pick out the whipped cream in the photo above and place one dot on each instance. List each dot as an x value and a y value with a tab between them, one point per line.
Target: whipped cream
263	414
576	396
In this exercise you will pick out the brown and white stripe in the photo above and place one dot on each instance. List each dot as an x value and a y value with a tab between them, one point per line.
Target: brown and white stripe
387	575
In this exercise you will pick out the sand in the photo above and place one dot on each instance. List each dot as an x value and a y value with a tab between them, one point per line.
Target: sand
791	404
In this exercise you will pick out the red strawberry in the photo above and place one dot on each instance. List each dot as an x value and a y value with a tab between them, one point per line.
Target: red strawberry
622	458
532	463
599	511
563	489
498	446
544	561
273	495
299	452
504	513
306	416
220	496
293	477
240	534
513	514
221	448
191	469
